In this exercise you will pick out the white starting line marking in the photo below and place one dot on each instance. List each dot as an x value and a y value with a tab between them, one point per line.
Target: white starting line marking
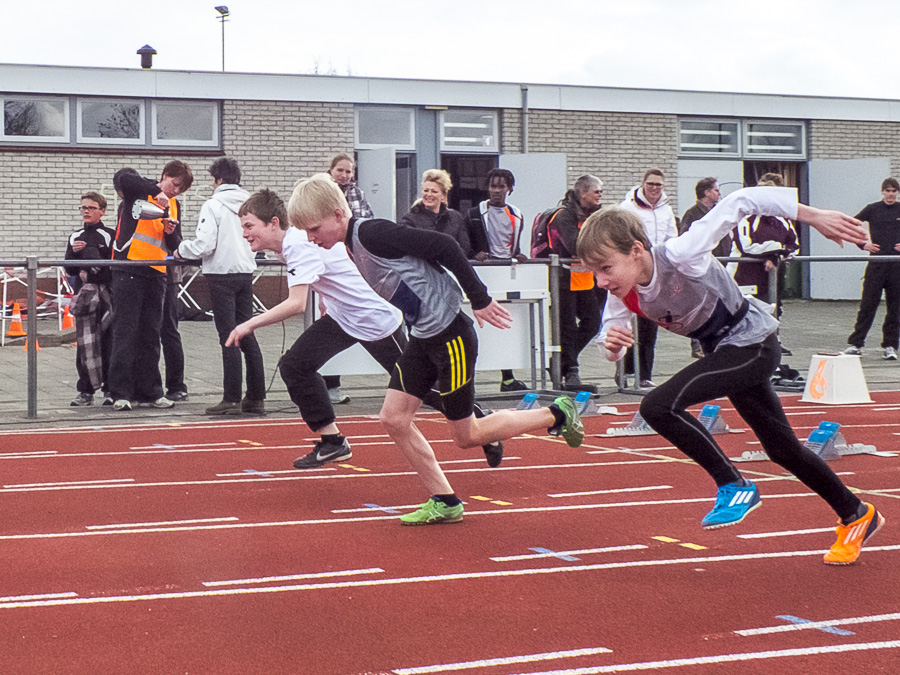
723	658
786	533
786	628
612	491
556	554
295	577
18	455
42	596
157	446
505	661
194	521
77	483
462	576
262	473
332	521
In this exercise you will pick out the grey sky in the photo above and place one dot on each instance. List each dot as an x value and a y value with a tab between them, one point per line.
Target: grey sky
819	47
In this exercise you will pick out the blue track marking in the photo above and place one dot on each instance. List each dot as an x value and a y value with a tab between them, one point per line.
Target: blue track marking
561	556
826	629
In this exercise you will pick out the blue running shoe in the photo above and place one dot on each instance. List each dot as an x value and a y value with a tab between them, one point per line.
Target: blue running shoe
733	503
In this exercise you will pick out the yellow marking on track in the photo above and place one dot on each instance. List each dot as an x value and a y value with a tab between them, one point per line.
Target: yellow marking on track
694	547
499	503
354	468
670	540
250	442
481	499
667	540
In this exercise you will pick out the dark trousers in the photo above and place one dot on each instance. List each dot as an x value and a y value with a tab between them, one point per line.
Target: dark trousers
137	317
232	304
742	374
579	322
312	350
646	343
172	350
879	277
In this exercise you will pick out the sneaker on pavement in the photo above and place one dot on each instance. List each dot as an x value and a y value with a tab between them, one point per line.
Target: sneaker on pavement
572	382
493	452
572	429
336	396
253	406
82	399
434	512
161	402
890	354
850	538
322	453
853	350
733	503
225	408
177	396
122	404
648	384
108	400
513	385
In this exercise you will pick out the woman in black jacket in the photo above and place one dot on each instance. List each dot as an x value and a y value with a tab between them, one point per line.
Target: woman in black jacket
430	212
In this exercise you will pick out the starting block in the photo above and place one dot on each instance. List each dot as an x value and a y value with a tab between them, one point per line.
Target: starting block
712	420
587	406
636	427
835	379
528	402
829	443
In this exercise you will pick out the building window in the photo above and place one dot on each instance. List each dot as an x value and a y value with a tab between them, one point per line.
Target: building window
41	120
194	123
469	131
709	137
385	127
116	121
775	139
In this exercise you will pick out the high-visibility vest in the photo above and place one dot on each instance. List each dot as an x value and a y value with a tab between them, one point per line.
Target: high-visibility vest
147	242
580	278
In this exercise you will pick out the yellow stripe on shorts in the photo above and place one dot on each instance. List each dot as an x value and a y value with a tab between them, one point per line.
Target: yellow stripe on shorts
457	353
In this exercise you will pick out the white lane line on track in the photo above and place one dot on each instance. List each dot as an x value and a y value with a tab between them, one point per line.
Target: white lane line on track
39	596
785	533
333	521
4	455
71	483
156	446
611	491
556	554
394	581
259	477
193	521
723	658
815	625
503	661
295	577
262	473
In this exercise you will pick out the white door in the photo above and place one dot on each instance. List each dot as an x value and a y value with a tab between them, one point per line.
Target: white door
540	184
846	185
375	170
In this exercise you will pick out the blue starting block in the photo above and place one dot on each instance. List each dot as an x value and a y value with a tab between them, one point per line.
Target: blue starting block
711	420
528	402
829	443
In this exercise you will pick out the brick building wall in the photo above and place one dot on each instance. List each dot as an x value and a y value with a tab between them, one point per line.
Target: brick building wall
839	139
274	142
616	147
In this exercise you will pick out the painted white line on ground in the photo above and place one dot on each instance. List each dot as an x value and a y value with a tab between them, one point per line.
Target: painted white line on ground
262	473
786	533
505	661
612	491
4	455
794	478
333	521
295	577
787	628
583	551
156	446
462	576
75	483
723	658
40	596
194	521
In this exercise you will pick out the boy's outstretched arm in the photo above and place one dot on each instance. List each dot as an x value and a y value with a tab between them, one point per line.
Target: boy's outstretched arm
834	225
294	304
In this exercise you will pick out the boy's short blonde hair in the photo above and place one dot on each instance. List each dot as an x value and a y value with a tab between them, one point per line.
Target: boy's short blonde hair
314	199
610	230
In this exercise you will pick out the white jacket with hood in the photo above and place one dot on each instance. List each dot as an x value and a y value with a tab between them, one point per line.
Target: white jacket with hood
658	219
218	241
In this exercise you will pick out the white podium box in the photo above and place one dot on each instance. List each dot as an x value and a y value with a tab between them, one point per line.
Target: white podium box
521	289
835	379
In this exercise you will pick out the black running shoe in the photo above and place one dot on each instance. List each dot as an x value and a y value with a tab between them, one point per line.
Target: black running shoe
323	453
493	452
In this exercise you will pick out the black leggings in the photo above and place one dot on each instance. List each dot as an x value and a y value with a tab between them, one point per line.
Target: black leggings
742	374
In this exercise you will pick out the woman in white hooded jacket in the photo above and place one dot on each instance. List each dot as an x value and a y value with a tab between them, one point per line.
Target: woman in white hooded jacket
228	265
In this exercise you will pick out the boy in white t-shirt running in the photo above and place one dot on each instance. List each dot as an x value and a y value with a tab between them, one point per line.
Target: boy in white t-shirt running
379	328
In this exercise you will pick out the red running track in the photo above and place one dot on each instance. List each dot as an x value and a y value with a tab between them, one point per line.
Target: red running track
196	548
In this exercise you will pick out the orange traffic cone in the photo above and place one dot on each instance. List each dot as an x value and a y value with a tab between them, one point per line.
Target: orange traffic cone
15	326
37	345
67	320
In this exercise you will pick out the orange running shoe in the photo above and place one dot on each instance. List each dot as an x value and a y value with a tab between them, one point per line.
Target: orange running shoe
850	538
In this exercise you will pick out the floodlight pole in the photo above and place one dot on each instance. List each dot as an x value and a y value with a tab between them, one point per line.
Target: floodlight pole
223	17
